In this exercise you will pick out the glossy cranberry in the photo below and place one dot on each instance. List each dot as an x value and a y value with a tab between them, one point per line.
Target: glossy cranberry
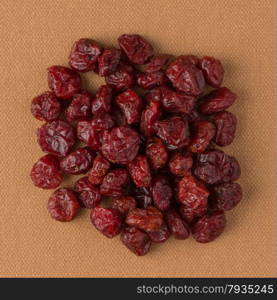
108	61
176	225
88	134
216	101
107	220
56	137
161	192
156	153
213	71
63	205
64	82
46	173
233	172
148	81
190	215
226	124
46	107
140	171
154	95
189	59
114	183
84	55
149	117
136	48
120	145
136	240
102	101
99	169
143	197
159	236
101	122
180	164
124	204
157	63
209	227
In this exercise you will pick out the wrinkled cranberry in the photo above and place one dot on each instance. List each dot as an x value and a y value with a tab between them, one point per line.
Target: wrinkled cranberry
84	55
173	131
119	117
189	215
203	132
108	61
176	225
148	81
213	71
46	107
56	137
63	205
140	171
88	194
161	192
131	104
155	95
156	153
185	76
226	124
80	107
149	117
209	227
143	197
114	182
218	100
88	134
99	169
77	162
136	48
120	145
107	220
63	81
233	172
159	236
46	173
124	204
102	101
180	164
101	122
193	116
157	63
136	240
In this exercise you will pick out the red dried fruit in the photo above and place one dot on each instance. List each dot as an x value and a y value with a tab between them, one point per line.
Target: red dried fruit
120	145
107	220
180	164
161	192
101	122
56	137
63	205
212	70
88	194
209	227
88	134
154	95
148	81
176	225
143	197
189	215
102	101
136	240
99	169
216	101
193	116
226	124
114	182
108	61
185	76
203	133
173	131
63	81
159	236
84	55
140	172
136	48
149	117
131	104
80	107
156	153
46	173
46	107
233	172
77	162
124	204
157	63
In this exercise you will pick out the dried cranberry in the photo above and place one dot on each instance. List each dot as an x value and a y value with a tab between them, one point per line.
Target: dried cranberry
131	104
143	197
101	122
156	153
124	204
136	240
226	124
176	225
63	205
148	81
218	100
209	227
157	63
80	107
140	171
107	220
114	182
56	137
155	95
46	107
213	71
149	117
193	116
99	169
84	55
203	132
88	194
173	131
88	134
233	172
77	162
189	215
180	164
120	145
148	219
136	48
161	192
102	101
108	61
63	81
46	173
159	236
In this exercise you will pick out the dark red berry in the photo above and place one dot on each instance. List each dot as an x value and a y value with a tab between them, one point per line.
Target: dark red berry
102	101
213	71
148	81
176	225
159	236
143	197
161	192
88	134
156	153
149	117
101	122
189	215
99	169
108	61
157	63
114	183
180	164
140	171
124	204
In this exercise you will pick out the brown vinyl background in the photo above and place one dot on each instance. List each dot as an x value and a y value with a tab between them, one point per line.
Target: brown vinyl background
37	34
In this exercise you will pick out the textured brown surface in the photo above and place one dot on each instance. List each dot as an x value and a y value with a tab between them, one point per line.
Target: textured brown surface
36	34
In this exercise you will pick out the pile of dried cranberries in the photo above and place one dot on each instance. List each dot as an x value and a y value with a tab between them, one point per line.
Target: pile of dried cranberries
146	140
